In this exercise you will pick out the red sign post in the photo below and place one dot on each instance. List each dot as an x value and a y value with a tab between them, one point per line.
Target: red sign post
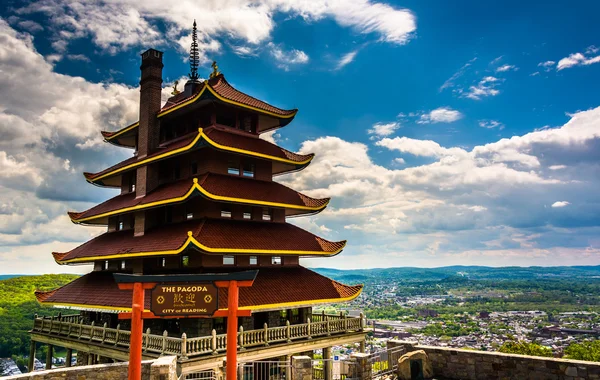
177	307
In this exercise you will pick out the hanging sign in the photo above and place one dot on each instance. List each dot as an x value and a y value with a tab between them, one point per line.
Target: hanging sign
184	299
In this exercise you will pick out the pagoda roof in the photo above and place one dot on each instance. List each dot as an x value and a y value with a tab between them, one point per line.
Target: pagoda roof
218	88
273	288
216	187
211	236
216	137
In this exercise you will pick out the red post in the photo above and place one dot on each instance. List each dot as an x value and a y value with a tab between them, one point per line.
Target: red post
137	328
232	329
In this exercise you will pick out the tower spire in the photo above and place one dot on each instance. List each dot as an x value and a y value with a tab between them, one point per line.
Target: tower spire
194	56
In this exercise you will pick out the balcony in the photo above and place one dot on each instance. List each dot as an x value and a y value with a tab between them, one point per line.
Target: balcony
320	331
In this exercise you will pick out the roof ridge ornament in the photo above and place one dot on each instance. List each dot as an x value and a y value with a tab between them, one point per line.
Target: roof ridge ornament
194	55
175	90
215	71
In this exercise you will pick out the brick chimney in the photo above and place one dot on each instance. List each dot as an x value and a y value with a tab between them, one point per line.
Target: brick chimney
148	130
150	88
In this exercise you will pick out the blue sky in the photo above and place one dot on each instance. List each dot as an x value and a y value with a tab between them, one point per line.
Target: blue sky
446	132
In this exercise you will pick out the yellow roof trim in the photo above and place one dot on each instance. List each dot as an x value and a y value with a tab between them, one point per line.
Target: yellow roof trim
201	134
210	89
126	309
193	241
254	307
124	130
212	196
299	303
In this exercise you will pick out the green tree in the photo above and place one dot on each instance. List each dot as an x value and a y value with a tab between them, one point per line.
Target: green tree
589	351
525	348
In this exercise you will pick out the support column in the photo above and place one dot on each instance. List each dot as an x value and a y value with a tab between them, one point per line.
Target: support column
232	328
69	357
49	356
90	359
363	346
31	356
137	329
301	368
327	364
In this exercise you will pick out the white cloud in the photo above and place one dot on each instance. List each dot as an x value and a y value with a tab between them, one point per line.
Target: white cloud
440	115
579	59
491	124
115	26
560	204
485	87
450	82
346	59
547	65
505	68
557	167
245	51
383	129
399	161
286	59
480	205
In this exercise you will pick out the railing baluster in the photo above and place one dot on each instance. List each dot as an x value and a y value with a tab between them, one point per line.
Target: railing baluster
266	332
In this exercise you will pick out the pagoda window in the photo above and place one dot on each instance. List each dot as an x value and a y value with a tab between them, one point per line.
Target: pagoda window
106	265
228	260
246	123
123	264
225	213
189	215
185	261
275	260
267	214
163	262
253	260
132	180
120	225
233	167
194	167
247	213
248	170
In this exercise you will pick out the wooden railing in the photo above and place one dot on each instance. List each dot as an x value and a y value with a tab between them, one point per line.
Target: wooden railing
72	326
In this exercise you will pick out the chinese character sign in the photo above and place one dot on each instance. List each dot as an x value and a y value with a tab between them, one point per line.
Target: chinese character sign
184	299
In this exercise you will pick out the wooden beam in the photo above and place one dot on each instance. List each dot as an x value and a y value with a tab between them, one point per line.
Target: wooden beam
217	314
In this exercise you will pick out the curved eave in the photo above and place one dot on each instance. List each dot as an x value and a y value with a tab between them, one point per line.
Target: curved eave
196	188
191	242
114	137
273	306
97	179
262	307
206	86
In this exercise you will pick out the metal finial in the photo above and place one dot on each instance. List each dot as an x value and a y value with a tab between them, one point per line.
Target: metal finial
194	55
175	90
215	71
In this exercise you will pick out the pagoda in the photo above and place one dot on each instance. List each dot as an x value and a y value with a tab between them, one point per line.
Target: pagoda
198	196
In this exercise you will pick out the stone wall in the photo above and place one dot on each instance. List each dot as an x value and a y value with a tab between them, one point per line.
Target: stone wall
453	363
163	368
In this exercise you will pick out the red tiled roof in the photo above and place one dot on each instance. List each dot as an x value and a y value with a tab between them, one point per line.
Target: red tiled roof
273	286
212	236
220	85
170	146
218	186
220	136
